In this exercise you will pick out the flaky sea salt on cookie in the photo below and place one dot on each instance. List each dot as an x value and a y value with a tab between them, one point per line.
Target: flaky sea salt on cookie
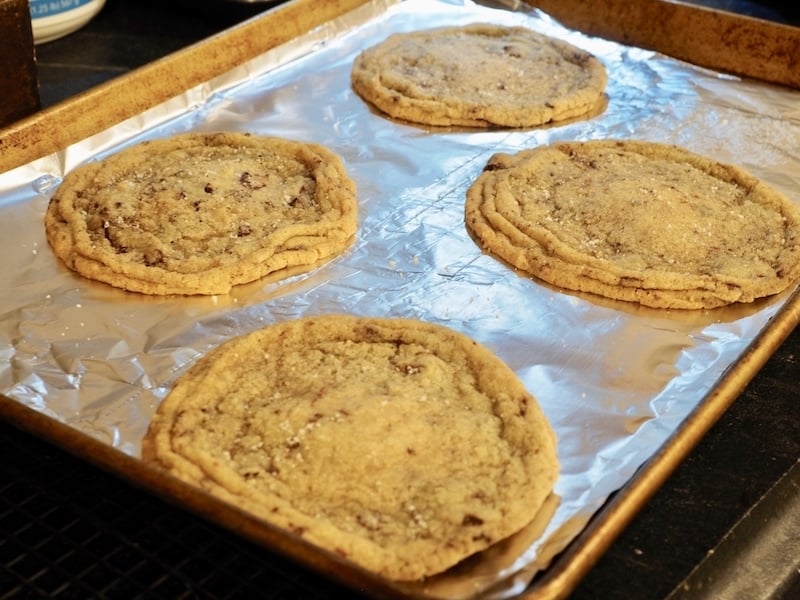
637	221
401	445
201	213
479	75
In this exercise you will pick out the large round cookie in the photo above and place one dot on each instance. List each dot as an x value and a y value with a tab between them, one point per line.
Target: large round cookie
401	445
637	221
200	213
479	75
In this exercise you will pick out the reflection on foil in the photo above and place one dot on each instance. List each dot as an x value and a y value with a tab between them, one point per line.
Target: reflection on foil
614	379
46	184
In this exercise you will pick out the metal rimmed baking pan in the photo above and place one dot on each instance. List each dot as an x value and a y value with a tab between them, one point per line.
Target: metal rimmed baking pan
630	390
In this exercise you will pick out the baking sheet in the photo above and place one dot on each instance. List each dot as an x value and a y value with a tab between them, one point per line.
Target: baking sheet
616	380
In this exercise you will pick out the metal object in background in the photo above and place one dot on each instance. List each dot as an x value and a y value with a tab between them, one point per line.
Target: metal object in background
759	558
19	87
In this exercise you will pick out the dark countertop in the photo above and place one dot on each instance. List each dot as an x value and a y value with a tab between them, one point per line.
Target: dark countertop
70	530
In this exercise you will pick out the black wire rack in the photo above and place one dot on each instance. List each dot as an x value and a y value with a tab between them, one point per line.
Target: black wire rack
70	530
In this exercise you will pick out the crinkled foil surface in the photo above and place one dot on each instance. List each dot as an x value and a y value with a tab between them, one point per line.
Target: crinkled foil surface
615	380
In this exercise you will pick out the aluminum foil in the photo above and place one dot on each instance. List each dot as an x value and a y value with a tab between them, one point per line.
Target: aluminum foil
614	379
